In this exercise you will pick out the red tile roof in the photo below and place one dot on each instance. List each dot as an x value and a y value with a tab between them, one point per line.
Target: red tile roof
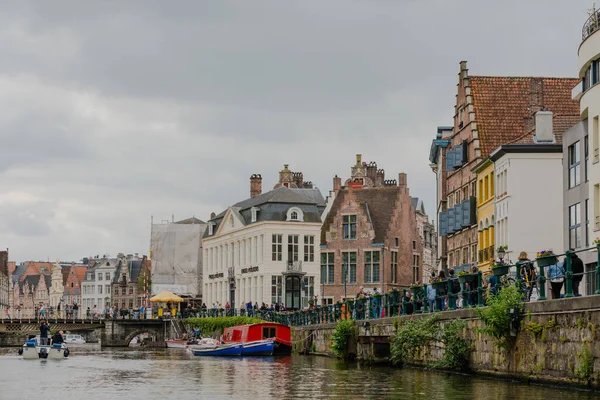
502	105
560	124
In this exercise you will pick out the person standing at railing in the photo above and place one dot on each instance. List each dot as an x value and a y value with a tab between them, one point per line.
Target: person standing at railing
431	293
577	269
556	274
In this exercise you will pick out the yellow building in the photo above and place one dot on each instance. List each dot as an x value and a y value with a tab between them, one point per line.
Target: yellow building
485	213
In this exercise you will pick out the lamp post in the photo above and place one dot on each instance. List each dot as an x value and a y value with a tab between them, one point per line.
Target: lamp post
501	253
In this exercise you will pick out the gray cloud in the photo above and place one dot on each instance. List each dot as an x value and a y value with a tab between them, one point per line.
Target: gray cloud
114	111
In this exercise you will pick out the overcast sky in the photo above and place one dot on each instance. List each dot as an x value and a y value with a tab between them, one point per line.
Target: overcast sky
114	111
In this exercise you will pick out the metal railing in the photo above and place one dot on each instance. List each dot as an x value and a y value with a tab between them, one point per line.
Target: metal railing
463	291
591	25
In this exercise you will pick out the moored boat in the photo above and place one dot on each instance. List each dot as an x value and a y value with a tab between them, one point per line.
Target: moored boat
221	350
177	343
258	348
247	334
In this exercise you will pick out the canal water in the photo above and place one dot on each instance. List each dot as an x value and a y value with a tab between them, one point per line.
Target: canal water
92	373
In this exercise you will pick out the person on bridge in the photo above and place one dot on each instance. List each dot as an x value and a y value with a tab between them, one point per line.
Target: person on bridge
44	330
58	337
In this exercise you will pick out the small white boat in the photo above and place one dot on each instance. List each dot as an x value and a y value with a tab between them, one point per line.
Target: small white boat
204	343
32	350
74	339
176	343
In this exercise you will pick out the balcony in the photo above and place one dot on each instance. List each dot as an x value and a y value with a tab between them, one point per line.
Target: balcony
294	268
591	25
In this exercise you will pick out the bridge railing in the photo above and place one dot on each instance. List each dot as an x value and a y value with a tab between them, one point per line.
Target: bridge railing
467	290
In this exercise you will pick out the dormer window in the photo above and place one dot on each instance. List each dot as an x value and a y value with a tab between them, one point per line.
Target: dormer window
295	214
211	228
254	211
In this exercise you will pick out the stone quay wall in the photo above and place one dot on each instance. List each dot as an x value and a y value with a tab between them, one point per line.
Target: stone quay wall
558	340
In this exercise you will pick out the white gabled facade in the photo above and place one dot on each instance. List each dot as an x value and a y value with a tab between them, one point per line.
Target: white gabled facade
259	256
95	287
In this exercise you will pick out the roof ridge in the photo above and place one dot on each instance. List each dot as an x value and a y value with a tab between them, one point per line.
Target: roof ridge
524	77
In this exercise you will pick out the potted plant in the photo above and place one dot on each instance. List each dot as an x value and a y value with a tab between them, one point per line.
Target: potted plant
465	276
416	288
499	268
545	258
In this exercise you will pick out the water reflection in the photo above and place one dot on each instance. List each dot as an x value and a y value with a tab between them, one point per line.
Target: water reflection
93	373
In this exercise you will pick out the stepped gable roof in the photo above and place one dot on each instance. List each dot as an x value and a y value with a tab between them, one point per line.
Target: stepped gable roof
65	269
380	202
190	221
502	105
18	272
133	268
34	280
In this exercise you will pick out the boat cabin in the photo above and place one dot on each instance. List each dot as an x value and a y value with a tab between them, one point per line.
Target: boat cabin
255	332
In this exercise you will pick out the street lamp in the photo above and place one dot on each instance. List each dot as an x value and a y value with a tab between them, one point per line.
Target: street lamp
501	253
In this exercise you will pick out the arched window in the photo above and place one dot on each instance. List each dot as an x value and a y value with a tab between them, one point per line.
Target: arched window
294	216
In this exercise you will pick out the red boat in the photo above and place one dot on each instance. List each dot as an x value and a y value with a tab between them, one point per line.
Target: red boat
244	334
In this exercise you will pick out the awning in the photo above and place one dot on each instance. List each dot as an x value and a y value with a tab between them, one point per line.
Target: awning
166	297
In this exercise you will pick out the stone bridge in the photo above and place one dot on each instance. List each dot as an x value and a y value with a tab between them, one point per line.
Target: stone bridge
112	333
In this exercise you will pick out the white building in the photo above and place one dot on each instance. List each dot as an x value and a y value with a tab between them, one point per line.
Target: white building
95	287
529	192
176	255
265	248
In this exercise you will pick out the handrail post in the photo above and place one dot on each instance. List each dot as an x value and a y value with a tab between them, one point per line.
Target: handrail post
542	282
479	290
426	300
569	275
598	270
403	301
451	300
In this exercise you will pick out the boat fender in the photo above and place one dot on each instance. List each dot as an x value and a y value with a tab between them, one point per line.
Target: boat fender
43	353
20	351
66	353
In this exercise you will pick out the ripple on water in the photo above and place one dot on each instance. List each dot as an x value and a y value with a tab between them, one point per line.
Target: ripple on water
135	374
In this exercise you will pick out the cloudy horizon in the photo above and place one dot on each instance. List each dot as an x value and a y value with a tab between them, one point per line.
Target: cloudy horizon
113	112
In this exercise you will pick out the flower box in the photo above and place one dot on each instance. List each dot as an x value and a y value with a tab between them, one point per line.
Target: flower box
500	270
546	261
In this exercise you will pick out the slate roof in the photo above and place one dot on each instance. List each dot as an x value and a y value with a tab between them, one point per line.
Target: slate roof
19	270
33	281
380	202
133	267
502	105
274	205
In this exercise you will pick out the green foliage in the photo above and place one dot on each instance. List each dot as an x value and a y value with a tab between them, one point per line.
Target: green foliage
210	325
313	348
534	328
344	332
412	335
562	339
497	317
586	364
579	323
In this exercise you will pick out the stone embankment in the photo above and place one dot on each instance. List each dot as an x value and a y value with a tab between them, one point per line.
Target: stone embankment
558	342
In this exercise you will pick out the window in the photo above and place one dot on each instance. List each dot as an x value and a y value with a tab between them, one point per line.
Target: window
396	242
131	290
575	226
416	276
586	153
99	289
414	244
107	289
210	228
372	266
349	267
268	333
254	211
107	276
275	289
587	224
574	167
292	248
123	291
394	267
276	249
130	304
309	248
100	276
294	216
349	227
327	268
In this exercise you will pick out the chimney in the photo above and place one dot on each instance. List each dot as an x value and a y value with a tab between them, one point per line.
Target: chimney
402	182
358	159
337	183
255	185
213	215
543	126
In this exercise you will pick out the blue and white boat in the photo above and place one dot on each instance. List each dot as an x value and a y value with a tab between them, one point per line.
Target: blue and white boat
258	348
221	350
